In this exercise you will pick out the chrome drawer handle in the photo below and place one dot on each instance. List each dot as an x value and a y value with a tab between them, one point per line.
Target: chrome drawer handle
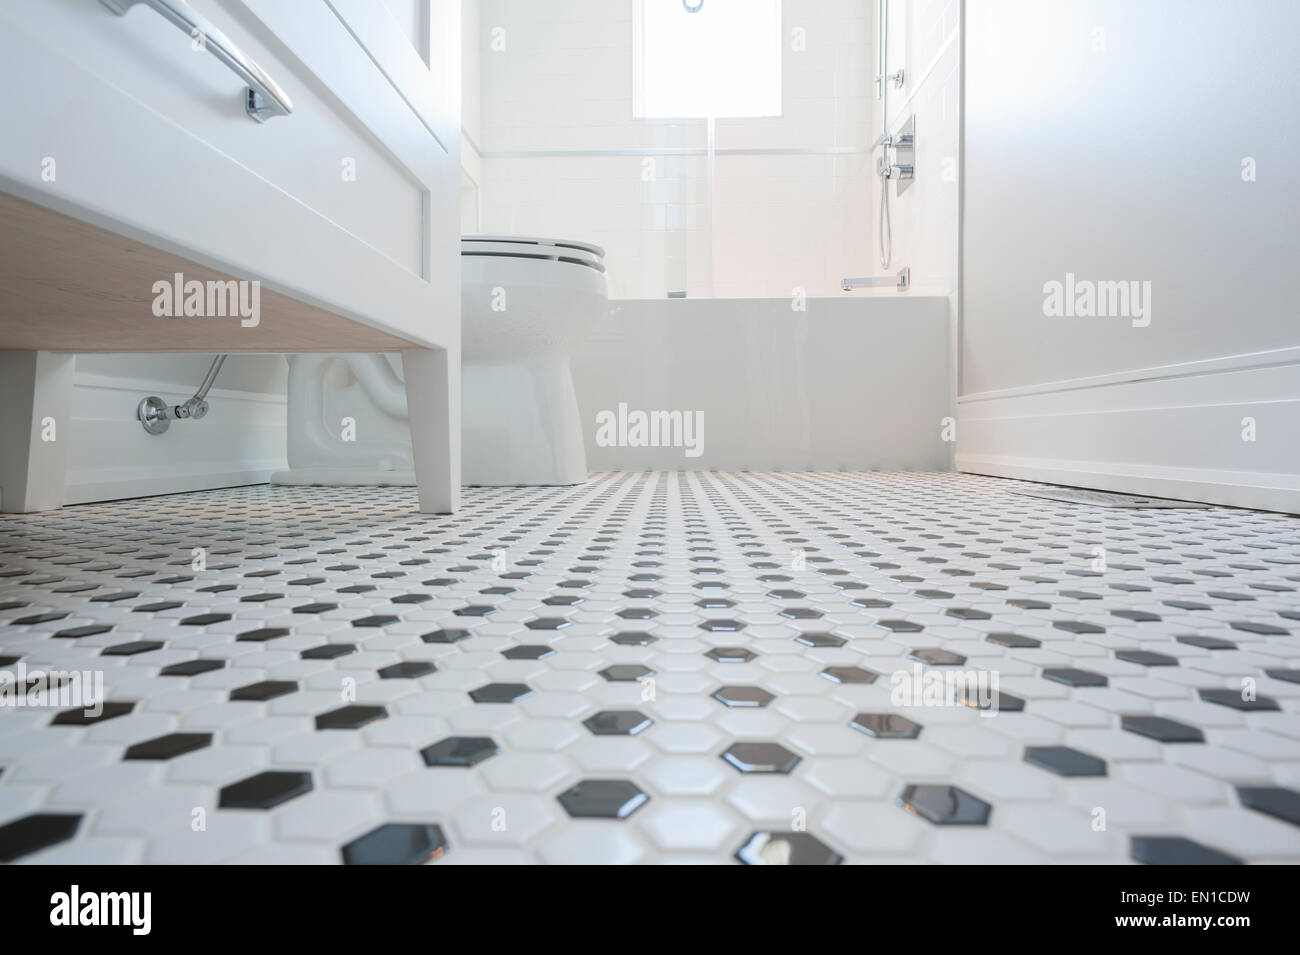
264	98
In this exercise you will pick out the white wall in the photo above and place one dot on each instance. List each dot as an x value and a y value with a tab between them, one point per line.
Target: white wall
471	160
925	43
1106	138
564	156
111	456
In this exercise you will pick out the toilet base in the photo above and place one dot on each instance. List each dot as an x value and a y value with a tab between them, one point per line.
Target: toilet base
520	427
520	424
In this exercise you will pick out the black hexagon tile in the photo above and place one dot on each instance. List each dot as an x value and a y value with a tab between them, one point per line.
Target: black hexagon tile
397	843
352	717
263	634
1065	761
731	654
945	805
408	670
448	635
982	698
1176	850
205	619
528	651
264	790
329	651
459	751
1264	629
548	623
1239	699
602	799
769	847
633	639
192	667
1273	801
1146	658
1078	626
849	674
169	746
820	640
626	672
886	725
266	690
1161	729
1207	643
34	832
1074	676
637	613
937	657
800	613
743	696
500	693
900	626
617	722
90	630
88	716
376	621
133	648
760	757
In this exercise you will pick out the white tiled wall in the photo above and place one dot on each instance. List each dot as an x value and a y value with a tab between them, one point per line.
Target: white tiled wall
563	155
471	113
924	41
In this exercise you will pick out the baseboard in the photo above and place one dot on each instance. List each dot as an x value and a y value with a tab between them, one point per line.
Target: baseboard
1256	490
1175	431
241	441
107	490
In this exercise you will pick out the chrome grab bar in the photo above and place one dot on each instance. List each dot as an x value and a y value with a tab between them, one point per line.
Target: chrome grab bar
263	99
902	281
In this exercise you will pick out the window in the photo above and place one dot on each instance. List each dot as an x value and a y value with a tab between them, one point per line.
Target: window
699	58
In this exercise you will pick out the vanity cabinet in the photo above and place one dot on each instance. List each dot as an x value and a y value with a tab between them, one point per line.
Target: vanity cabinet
310	146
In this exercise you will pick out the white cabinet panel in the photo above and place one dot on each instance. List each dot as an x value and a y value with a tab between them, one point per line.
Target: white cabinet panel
349	203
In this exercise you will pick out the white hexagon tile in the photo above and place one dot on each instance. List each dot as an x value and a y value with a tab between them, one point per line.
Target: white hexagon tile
652	667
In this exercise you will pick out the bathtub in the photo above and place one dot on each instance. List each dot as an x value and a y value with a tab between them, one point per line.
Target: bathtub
856	382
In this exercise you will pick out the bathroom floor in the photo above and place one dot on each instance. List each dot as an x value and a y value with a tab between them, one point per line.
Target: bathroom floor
654	667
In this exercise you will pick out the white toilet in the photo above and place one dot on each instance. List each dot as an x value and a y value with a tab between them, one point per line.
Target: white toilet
526	304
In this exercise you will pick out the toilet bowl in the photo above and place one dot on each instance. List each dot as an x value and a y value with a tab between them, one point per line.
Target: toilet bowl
526	304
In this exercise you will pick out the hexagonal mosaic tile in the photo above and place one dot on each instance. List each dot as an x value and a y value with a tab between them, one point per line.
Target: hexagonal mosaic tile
766	669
